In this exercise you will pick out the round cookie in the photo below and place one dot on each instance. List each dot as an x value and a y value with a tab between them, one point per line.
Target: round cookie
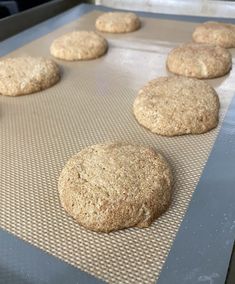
113	186
199	60
215	33
26	75
117	22
79	45
172	106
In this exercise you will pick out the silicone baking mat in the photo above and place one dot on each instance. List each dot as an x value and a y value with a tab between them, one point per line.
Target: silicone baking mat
93	104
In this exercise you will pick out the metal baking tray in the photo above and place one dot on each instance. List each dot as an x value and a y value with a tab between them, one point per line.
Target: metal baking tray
39	242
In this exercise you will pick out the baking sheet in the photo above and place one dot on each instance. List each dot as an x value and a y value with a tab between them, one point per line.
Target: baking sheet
93	104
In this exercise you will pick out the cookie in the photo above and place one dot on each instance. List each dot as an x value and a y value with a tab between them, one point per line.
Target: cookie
79	45
26	75
117	22
199	60
113	186
177	105
215	33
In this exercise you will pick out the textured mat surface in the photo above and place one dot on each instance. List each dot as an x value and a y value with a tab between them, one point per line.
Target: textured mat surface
93	104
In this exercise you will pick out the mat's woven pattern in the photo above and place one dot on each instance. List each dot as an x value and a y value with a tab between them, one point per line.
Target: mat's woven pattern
92	104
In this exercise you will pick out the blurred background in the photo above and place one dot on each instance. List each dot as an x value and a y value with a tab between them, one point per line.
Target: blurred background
9	7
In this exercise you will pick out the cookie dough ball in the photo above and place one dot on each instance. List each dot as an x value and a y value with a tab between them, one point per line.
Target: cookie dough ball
113	186
177	105
215	33
79	45
118	22
199	60
26	75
